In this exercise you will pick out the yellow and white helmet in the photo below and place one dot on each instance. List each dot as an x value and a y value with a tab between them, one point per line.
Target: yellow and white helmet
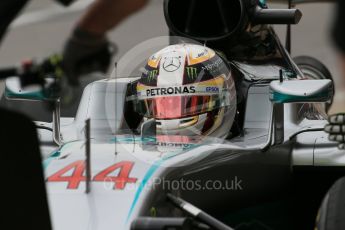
189	90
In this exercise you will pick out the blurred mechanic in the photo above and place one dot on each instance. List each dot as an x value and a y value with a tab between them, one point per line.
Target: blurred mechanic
23	199
88	39
88	42
338	33
336	127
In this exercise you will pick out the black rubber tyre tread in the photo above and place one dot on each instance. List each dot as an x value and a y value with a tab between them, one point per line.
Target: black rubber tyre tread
333	212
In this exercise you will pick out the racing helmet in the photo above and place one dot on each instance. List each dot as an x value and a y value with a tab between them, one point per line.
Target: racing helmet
189	90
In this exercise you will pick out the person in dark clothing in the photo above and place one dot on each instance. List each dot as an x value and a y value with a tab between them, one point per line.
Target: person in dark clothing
21	166
337	110
338	30
23	195
338	34
88	39
8	12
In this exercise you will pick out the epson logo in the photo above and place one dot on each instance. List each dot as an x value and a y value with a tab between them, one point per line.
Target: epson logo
212	89
170	90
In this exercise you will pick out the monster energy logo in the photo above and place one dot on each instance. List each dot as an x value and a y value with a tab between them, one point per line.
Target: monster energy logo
192	72
152	74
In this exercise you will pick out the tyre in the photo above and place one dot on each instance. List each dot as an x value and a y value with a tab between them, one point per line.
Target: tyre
331	214
313	69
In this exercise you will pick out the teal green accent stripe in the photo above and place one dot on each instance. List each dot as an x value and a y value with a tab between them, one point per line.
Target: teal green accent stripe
56	154
283	98
132	139
53	155
32	96
147	176
262	2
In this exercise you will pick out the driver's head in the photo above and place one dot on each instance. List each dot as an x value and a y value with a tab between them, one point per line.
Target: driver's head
189	90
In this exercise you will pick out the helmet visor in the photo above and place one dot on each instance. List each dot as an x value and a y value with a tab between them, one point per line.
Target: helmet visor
174	102
179	106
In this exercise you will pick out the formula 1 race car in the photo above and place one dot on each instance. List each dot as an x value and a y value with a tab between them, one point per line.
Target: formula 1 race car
109	167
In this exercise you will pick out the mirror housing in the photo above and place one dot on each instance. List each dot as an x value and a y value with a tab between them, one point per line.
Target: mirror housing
36	92
301	91
14	91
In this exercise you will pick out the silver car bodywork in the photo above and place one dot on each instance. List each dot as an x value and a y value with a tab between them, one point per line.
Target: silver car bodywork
113	206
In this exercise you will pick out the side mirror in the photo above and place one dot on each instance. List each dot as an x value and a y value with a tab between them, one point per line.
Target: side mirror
14	91
301	91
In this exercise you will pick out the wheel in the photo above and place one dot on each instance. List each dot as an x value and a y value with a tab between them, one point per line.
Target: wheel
313	69
331	214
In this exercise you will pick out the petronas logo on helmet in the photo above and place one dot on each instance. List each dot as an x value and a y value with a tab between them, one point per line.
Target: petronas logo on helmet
192	72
